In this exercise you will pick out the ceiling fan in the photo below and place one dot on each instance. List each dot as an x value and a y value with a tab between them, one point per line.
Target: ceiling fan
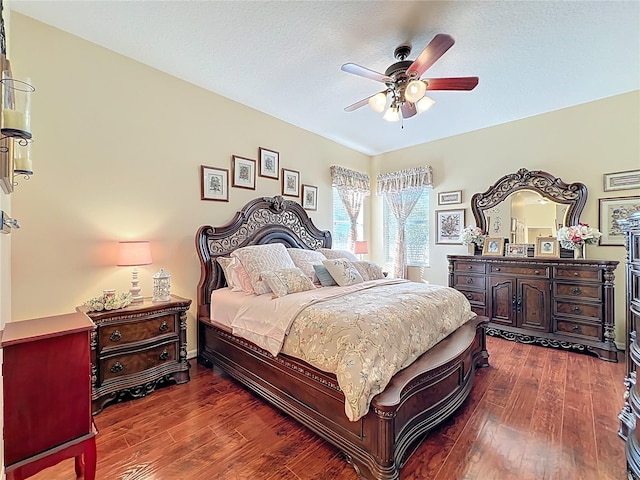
405	90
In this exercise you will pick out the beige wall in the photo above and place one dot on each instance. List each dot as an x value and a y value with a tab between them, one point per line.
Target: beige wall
577	144
117	154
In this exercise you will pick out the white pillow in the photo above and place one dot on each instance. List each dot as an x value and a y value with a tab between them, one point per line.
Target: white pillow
286	281
240	277
343	272
304	260
330	254
368	270
261	258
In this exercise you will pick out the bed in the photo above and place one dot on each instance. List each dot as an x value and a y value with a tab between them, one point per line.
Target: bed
416	399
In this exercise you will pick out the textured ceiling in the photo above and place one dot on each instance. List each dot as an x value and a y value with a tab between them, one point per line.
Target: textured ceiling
283	58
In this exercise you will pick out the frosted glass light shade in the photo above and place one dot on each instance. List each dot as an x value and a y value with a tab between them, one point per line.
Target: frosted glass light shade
392	114
378	101
415	90
424	104
131	254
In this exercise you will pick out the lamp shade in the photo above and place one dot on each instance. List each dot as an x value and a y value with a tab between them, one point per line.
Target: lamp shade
361	247
131	254
415	90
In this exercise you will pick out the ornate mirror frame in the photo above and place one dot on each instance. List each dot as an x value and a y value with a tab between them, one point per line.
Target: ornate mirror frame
574	195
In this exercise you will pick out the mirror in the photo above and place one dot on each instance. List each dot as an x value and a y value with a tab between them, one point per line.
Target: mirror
528	204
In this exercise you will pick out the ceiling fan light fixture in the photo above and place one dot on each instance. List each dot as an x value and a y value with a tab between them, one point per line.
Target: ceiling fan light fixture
424	104
415	90
378	101
392	114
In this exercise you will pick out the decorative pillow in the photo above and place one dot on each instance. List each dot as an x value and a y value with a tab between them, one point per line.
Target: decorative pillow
225	262
331	254
368	270
261	258
286	281
343	272
240	277
324	277
304	260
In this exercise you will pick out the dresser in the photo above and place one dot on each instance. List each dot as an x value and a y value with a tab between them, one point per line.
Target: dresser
561	303
137	348
631	409
47	395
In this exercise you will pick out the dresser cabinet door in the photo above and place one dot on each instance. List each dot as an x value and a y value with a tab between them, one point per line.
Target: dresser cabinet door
502	300
532	304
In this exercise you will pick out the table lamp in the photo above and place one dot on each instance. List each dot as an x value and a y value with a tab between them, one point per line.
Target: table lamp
134	254
361	248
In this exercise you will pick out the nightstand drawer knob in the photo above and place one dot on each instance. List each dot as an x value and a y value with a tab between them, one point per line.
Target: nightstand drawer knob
164	355
163	326
115	336
576	291
116	367
577	309
469	281
469	296
576	329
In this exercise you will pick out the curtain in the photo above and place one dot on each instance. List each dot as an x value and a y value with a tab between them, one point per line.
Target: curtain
402	190
352	187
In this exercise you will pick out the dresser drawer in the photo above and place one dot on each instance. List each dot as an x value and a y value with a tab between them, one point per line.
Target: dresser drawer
473	296
470	267
469	282
538	271
479	310
593	311
583	292
117	366
575	273
119	334
578	329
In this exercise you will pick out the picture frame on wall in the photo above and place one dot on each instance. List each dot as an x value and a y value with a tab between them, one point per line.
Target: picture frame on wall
493	246
627	180
547	247
309	197
612	213
269	163
290	183
449	225
214	184
244	172
450	198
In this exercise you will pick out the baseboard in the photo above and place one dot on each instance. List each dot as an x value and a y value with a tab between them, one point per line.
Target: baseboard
191	354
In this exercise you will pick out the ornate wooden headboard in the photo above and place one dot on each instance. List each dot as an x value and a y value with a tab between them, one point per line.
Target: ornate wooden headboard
263	220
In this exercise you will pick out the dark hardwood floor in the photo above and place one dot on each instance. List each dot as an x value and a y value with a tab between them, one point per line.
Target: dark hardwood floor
535	413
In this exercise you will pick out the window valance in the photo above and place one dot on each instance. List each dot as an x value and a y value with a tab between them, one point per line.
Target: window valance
419	177
344	178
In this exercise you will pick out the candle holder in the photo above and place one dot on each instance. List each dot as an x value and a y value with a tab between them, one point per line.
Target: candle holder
161	286
16	106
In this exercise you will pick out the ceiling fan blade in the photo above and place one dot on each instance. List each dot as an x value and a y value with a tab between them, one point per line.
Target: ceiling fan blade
460	83
365	72
430	55
408	109
357	105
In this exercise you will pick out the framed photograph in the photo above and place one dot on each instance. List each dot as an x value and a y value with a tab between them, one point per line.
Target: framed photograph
450	198
611	213
244	172
516	250
269	163
290	183
214	184
309	197
547	247
449	225
622	180
493	246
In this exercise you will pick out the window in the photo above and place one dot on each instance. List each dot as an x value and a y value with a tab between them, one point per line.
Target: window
342	225
416	233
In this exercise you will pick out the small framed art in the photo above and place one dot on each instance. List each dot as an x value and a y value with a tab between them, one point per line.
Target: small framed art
547	247
269	163
450	198
244	172
516	250
622	180
449	225
309	197
214	184
612	213
290	183
493	246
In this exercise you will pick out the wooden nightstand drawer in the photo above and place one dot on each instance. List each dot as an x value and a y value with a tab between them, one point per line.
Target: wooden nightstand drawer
131	363
583	292
578	329
115	335
593	311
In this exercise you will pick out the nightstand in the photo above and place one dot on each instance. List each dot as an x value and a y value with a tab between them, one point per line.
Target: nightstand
138	348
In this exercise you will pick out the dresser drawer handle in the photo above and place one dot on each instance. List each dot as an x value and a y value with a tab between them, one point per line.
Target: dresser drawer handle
469	267
469	281
576	329
164	355
116	367
496	269
577	309
576	274
469	296
163	326
536	272
115	336
576	291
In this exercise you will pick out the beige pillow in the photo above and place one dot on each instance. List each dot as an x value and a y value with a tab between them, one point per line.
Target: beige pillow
368	270
240	277
343	272
262	258
225	262
305	259
330	254
286	281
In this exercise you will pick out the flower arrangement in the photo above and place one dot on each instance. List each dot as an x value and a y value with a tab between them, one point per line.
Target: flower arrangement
576	236
108	302
471	235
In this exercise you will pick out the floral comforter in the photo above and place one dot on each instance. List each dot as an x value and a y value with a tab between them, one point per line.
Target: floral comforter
365	335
